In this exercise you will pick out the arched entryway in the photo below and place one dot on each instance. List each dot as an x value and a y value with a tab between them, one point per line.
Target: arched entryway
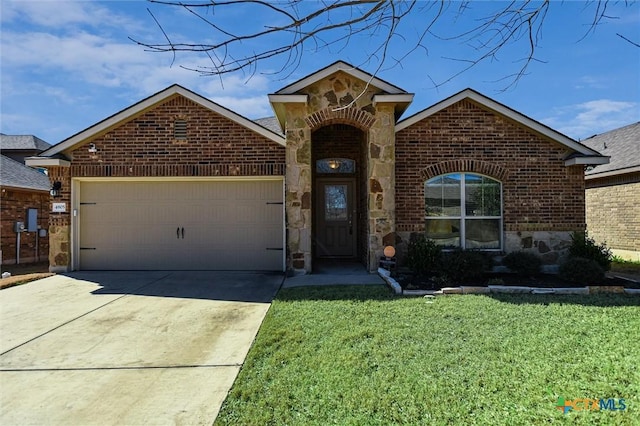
339	207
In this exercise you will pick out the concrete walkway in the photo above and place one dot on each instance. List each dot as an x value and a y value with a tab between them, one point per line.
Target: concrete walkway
126	348
329	272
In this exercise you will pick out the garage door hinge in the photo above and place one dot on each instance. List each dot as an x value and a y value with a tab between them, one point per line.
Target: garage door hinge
275	248
87	248
275	202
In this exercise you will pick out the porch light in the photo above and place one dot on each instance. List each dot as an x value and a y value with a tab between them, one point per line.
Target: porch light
333	163
56	189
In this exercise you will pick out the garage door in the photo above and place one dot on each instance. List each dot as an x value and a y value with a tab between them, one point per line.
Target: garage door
180	225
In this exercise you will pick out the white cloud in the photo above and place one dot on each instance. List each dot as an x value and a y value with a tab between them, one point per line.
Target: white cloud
591	82
61	14
593	117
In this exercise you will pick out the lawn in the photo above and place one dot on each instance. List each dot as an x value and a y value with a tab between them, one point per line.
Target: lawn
625	266
358	356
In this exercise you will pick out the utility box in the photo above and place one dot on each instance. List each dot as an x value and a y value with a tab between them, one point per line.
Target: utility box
19	227
32	220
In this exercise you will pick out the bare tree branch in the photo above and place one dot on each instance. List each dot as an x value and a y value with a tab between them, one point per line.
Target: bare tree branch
298	27
626	39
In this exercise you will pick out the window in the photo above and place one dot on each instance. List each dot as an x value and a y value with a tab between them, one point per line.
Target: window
335	165
464	210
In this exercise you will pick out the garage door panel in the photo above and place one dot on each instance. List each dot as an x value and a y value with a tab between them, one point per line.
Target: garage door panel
228	225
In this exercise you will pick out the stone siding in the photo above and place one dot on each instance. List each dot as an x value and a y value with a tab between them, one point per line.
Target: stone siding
340	99
543	200
613	213
14	206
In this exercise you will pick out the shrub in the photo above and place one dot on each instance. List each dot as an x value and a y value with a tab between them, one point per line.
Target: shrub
460	266
578	270
522	263
423	254
584	246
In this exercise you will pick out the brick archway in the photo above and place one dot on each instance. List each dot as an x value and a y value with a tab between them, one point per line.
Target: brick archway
465	165
359	118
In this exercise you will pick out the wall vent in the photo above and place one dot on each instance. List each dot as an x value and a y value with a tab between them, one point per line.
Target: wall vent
180	129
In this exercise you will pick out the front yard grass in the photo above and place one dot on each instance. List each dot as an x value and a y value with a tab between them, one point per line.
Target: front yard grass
625	266
358	356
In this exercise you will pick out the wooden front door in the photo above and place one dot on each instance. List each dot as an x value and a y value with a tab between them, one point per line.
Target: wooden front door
335	224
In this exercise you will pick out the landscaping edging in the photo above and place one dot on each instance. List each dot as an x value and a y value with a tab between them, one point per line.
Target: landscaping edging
503	289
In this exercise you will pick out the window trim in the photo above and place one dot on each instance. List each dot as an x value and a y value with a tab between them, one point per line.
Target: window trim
463	212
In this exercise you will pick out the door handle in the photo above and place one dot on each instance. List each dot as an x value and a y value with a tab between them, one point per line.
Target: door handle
183	233
178	233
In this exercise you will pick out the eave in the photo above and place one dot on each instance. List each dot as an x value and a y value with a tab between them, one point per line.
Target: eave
46	162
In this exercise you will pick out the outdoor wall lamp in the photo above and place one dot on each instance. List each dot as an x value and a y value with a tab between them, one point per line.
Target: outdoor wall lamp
56	189
333	163
92	148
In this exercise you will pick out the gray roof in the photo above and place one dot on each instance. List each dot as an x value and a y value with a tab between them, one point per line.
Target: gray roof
17	175
622	145
270	123
22	142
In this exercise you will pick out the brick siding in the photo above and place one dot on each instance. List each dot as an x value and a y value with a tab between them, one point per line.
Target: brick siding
15	204
145	146
613	211
539	192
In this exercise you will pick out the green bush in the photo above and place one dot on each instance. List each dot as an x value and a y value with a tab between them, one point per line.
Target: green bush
460	266
584	246
522	263
578	270
423	254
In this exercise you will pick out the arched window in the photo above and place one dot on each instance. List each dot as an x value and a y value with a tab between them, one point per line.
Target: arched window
464	210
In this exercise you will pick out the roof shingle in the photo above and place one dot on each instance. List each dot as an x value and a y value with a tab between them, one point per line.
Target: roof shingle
17	175
622	145
22	142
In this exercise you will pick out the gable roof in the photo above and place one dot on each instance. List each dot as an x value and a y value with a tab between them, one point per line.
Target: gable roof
622	145
581	154
16	175
22	143
346	68
148	103
270	123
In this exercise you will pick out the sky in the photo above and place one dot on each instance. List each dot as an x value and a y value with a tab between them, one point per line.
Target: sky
66	65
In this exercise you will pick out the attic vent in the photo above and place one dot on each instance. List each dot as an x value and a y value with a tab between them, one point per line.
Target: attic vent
180	129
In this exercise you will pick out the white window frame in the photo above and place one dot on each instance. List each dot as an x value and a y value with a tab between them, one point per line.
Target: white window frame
463	211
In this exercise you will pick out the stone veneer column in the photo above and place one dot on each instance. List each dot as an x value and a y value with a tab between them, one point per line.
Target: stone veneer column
60	223
381	174
298	189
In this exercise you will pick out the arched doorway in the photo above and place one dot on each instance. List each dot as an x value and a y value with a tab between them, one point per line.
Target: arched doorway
340	228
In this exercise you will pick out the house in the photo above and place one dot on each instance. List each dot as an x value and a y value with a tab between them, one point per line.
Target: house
24	199
613	192
177	181
19	147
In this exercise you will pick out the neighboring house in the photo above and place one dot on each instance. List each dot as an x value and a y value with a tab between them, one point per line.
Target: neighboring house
18	147
23	189
177	181
613	191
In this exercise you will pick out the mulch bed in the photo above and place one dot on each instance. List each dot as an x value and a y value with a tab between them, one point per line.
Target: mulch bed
24	273
410	282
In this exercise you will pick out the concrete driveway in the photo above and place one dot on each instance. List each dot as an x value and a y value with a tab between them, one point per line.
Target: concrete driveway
126	348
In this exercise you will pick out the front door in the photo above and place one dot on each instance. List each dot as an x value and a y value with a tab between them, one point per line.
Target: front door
335	224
